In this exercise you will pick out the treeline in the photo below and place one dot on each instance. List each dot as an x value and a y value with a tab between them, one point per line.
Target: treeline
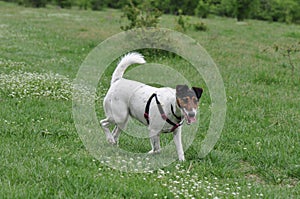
272	10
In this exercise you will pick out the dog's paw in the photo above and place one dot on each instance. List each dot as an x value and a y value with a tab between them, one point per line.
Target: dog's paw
181	159
154	152
111	141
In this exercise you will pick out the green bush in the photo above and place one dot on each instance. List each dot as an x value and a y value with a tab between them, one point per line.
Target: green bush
144	15
200	26
182	22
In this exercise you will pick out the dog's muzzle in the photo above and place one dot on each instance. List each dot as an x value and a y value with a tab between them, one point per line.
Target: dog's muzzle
190	116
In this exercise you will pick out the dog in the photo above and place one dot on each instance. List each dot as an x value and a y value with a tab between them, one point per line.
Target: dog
161	109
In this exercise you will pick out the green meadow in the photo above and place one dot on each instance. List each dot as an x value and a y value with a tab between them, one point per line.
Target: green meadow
42	155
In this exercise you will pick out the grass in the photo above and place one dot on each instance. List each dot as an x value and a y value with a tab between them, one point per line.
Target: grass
42	155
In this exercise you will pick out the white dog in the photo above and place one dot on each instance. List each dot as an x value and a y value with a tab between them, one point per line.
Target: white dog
162	109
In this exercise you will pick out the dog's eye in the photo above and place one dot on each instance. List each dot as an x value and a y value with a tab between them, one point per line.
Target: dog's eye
185	100
195	100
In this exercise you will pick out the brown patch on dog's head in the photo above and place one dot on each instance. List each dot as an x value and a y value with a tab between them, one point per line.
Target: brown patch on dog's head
187	100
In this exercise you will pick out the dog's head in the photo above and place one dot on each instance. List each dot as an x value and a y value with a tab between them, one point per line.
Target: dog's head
187	100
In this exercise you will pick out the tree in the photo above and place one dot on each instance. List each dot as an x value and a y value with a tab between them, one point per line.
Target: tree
97	4
285	11
202	9
33	3
64	3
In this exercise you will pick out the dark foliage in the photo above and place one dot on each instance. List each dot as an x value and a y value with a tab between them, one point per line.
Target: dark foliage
272	10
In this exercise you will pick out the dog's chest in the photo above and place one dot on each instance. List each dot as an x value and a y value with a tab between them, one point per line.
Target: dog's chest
155	108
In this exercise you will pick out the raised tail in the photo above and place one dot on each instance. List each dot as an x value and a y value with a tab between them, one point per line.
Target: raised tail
127	60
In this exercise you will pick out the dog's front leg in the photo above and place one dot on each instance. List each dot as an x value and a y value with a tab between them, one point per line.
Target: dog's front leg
178	144
155	142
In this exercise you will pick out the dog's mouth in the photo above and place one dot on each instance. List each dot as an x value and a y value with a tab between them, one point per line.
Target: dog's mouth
190	119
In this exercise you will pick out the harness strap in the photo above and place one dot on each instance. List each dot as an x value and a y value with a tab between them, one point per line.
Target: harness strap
177	117
146	114
162	113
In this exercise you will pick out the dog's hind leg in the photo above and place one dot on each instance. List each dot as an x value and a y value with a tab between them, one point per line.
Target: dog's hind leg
105	123
118	128
116	133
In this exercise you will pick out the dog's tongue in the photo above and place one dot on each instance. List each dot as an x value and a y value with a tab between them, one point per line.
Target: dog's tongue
191	120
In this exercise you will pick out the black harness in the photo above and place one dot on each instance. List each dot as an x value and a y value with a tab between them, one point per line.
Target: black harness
162	113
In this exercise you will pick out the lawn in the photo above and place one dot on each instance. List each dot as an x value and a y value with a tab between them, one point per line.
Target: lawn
42	155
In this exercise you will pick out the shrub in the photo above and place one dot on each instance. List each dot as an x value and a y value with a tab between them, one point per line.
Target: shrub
182	22
144	15
200	26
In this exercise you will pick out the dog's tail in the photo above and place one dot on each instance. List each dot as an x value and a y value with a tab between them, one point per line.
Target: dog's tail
127	60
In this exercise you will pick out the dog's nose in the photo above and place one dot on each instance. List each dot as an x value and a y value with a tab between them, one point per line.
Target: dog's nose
191	114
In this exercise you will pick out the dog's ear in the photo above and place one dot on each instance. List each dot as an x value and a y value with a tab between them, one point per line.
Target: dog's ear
198	91
181	89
